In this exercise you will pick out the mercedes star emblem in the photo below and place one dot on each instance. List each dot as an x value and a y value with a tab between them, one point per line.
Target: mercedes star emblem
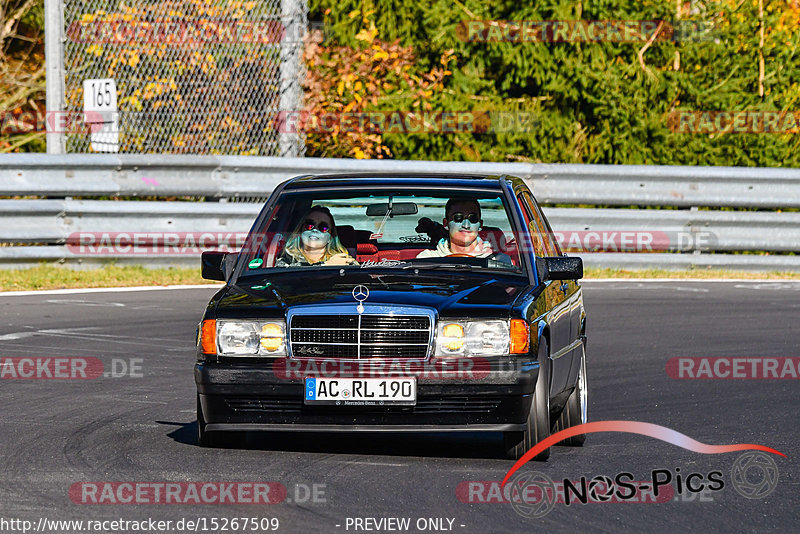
360	293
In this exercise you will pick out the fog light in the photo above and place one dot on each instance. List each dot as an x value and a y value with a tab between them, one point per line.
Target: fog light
453	337
271	337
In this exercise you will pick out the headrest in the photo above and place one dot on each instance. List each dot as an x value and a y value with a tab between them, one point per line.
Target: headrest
495	237
366	248
433	229
347	235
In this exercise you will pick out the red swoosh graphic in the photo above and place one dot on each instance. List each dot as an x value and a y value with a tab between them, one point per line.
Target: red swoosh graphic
634	427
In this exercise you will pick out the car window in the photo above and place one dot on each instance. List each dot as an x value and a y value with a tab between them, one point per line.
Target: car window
364	231
533	228
549	242
400	229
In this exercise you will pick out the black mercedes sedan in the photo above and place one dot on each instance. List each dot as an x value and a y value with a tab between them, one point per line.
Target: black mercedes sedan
395	302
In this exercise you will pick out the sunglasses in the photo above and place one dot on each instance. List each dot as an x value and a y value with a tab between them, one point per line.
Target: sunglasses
321	226
459	217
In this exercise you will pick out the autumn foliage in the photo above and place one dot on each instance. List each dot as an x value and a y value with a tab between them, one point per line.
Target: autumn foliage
374	75
21	75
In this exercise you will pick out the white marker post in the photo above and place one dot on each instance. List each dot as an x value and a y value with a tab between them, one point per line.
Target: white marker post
100	113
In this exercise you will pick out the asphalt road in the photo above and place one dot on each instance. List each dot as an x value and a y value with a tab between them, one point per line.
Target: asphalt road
141	428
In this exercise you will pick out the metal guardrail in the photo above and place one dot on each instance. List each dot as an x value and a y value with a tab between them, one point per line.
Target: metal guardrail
49	223
234	176
54	221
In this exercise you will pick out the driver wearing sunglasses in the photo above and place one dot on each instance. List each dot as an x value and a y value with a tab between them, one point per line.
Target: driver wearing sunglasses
463	222
315	242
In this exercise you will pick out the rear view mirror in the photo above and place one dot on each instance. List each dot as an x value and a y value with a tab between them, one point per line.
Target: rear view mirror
216	265
398	208
559	268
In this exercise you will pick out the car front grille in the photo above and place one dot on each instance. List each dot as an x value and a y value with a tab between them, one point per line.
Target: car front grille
432	405
360	336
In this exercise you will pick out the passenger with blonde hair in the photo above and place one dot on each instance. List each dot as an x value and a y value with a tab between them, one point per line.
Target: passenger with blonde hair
315	242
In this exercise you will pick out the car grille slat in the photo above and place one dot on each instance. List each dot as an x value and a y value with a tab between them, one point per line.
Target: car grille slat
325	336
265	405
458	405
394	336
358	337
325	321
395	323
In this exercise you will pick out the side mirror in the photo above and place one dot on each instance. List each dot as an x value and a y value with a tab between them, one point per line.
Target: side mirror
216	265
559	268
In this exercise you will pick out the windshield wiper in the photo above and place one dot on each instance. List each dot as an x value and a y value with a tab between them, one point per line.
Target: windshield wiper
449	266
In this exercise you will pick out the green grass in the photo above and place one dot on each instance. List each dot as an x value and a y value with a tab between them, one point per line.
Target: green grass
59	277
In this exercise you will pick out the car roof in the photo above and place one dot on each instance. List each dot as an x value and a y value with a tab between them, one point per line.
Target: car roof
456	181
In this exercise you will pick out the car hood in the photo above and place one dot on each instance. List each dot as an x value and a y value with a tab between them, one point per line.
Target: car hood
474	294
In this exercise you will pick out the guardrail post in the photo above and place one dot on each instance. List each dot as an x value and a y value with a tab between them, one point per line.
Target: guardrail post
695	249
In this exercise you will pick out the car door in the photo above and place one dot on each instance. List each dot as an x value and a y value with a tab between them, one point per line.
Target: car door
573	300
556	297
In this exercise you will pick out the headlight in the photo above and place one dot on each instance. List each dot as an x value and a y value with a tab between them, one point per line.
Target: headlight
472	338
251	338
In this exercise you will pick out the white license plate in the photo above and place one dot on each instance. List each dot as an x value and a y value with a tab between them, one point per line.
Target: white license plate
361	391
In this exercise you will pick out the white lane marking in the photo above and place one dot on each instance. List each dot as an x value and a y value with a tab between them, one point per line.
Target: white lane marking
79	302
79	333
73	331
63	351
16	335
637	285
376	463
770	286
106	290
99	337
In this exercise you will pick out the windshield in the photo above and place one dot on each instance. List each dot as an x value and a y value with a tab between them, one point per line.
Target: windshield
359	229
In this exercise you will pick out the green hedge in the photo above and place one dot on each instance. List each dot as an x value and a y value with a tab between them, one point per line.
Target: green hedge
594	102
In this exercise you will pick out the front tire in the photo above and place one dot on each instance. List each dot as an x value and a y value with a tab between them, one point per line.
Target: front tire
538	423
574	412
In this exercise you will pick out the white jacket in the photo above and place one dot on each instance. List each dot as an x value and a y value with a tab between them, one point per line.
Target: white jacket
481	250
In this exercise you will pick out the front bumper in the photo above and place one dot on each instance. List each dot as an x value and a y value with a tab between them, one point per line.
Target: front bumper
261	395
